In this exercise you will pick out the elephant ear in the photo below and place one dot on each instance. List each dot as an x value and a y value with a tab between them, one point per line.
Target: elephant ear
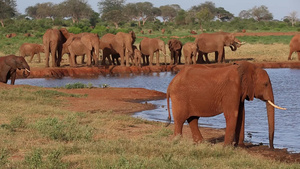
247	74
87	42
70	40
229	39
11	61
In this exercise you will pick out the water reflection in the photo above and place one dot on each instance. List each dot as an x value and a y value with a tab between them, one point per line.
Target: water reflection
285	84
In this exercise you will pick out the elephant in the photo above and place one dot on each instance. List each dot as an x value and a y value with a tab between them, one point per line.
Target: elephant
149	46
190	52
295	46
121	44
91	42
136	57
53	40
9	65
30	49
215	42
201	91
175	47
76	48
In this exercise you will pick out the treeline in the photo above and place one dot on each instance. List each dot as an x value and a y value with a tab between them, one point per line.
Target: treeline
116	15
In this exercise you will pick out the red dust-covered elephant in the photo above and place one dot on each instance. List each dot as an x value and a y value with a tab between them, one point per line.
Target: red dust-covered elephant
9	65
295	46
199	91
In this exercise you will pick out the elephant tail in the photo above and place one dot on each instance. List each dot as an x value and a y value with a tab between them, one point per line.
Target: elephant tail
168	104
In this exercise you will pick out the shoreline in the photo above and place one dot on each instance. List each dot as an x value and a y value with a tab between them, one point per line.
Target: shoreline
79	72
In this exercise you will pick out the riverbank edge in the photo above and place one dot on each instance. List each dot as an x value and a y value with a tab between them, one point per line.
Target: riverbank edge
90	72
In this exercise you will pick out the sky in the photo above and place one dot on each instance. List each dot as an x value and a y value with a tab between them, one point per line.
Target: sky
279	8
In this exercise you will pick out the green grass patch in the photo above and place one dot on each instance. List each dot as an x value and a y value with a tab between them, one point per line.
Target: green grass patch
67	129
78	85
265	39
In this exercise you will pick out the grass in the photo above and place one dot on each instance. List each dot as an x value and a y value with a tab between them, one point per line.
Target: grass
45	135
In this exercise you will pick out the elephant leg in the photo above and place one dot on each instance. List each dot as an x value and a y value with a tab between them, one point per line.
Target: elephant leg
223	56
157	58
47	58
13	77
59	56
231	120
194	58
298	55
179	58
290	55
72	60
193	123
82	59
53	58
172	58
31	57
178	123
127	59
39	57
220	54
200	58
89	59
206	57
150	61
240	126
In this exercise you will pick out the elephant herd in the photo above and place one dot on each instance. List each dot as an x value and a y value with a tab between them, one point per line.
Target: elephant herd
119	49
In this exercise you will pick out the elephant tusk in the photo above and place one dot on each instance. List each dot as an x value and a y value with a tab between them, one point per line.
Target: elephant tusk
272	104
27	70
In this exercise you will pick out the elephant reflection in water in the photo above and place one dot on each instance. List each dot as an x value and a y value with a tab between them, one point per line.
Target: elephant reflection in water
200	91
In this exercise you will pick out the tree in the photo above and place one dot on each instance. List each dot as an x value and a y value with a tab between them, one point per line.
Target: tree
261	13
145	11
41	10
292	18
245	14
168	13
204	16
76	9
7	10
112	11
181	17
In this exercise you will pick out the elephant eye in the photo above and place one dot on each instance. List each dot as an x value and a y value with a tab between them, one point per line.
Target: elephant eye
266	84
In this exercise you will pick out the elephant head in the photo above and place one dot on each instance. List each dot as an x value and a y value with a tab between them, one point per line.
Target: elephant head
256	84
18	62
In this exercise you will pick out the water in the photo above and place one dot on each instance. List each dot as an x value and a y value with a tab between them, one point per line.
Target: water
285	84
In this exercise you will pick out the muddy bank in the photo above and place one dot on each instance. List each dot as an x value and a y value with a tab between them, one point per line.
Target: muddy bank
81	72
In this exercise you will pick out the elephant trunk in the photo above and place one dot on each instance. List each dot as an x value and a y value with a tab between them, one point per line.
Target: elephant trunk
233	47
25	75
271	122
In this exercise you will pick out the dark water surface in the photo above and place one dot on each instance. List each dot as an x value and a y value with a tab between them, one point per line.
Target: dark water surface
285	82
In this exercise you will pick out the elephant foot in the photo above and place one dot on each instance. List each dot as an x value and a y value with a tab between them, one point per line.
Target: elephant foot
242	145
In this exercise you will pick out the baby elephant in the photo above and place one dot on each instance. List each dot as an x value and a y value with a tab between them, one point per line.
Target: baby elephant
190	52
137	56
30	49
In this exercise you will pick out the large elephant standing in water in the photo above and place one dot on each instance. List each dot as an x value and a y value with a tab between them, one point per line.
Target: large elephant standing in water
9	65
215	42
199	91
295	46
119	44
53	40
149	46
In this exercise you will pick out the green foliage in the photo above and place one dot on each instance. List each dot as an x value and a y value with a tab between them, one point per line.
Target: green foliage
77	85
53	93
63	130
